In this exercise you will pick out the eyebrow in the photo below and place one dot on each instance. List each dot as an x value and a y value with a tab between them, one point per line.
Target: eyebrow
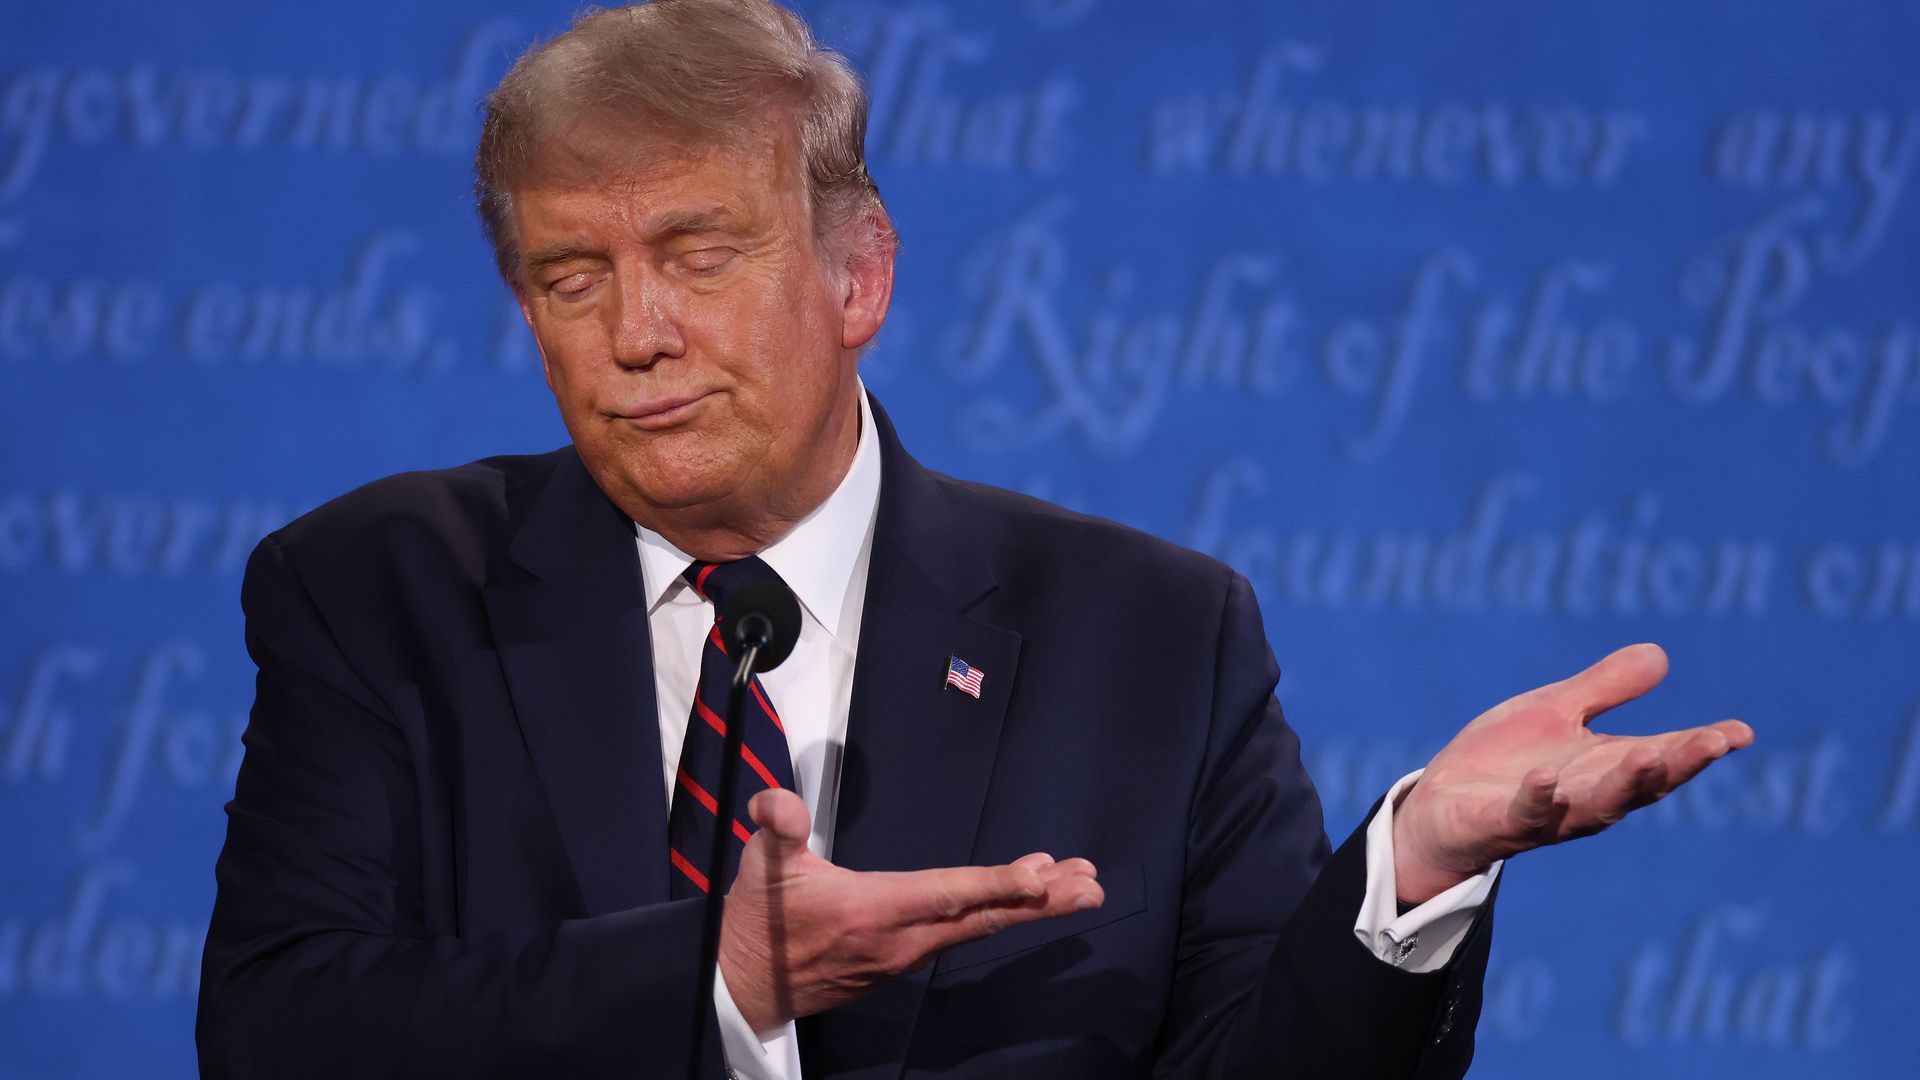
684	222
667	226
553	255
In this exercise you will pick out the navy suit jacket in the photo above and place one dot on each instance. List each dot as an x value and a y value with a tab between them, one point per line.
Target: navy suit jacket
446	850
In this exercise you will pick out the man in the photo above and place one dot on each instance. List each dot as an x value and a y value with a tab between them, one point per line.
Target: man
467	839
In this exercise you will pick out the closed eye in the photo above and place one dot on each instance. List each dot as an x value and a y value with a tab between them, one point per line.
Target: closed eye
707	260
572	287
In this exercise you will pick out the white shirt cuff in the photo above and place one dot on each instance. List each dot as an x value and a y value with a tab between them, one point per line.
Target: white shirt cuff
1425	938
750	1057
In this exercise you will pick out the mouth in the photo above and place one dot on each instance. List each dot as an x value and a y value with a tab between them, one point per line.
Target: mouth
660	413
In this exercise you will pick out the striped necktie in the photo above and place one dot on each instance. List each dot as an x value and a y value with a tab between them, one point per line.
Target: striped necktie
764	759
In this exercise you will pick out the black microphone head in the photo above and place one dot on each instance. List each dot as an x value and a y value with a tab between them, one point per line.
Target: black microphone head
763	611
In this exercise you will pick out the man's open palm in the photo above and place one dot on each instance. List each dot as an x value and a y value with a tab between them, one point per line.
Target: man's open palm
1530	772
802	935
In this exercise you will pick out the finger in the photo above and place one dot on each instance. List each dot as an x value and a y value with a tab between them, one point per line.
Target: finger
1068	868
950	893
1064	897
1533	804
1623	675
782	818
1714	739
924	938
1039	861
1061	898
1738	735
1640	778
1687	752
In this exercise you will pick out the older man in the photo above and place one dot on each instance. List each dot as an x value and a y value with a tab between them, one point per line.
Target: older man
468	838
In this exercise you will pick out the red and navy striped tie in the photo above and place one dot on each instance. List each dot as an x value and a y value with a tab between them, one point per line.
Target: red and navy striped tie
764	761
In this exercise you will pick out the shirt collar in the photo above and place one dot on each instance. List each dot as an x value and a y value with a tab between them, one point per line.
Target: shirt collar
817	557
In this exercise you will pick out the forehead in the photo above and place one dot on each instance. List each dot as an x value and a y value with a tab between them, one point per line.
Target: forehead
647	181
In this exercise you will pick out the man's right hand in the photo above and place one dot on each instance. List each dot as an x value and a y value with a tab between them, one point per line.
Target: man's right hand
802	935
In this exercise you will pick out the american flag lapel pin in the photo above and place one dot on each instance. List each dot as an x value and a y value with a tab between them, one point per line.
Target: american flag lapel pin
964	676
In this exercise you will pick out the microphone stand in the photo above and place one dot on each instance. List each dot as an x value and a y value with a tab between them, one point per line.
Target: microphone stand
753	634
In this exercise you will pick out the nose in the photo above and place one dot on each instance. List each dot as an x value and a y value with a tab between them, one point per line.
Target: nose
646	326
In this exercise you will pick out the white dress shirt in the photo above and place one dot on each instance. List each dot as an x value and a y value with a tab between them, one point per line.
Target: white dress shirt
824	560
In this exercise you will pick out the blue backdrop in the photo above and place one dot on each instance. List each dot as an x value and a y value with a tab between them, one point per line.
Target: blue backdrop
1483	337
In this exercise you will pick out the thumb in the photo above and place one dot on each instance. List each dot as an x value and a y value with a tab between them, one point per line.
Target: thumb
782	818
1617	678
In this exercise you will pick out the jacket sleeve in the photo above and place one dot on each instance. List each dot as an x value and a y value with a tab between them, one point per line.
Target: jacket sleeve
318	960
1270	980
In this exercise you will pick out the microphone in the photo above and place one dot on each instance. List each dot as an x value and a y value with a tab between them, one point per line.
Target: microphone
760	624
761	616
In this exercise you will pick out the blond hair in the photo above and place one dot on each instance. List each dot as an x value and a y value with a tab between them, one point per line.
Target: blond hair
697	71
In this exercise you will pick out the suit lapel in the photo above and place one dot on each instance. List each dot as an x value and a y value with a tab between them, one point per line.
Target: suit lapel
570	624
919	754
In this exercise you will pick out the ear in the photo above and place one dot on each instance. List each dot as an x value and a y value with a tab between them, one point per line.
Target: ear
526	313
867	277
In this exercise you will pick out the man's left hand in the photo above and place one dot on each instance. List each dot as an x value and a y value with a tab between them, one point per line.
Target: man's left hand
1529	772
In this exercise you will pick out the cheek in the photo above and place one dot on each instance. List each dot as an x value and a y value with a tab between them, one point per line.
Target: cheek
792	332
770	346
567	352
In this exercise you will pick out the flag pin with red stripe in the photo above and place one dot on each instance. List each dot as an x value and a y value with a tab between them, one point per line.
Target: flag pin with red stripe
964	676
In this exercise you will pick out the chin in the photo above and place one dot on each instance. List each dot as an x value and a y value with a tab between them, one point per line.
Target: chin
668	472
671	484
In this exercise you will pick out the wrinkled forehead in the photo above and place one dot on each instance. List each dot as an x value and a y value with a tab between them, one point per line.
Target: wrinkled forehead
598	151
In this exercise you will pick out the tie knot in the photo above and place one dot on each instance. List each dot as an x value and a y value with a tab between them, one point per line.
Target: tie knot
717	581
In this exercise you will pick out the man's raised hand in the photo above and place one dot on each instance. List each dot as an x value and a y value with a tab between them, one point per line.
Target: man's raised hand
802	935
1529	772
